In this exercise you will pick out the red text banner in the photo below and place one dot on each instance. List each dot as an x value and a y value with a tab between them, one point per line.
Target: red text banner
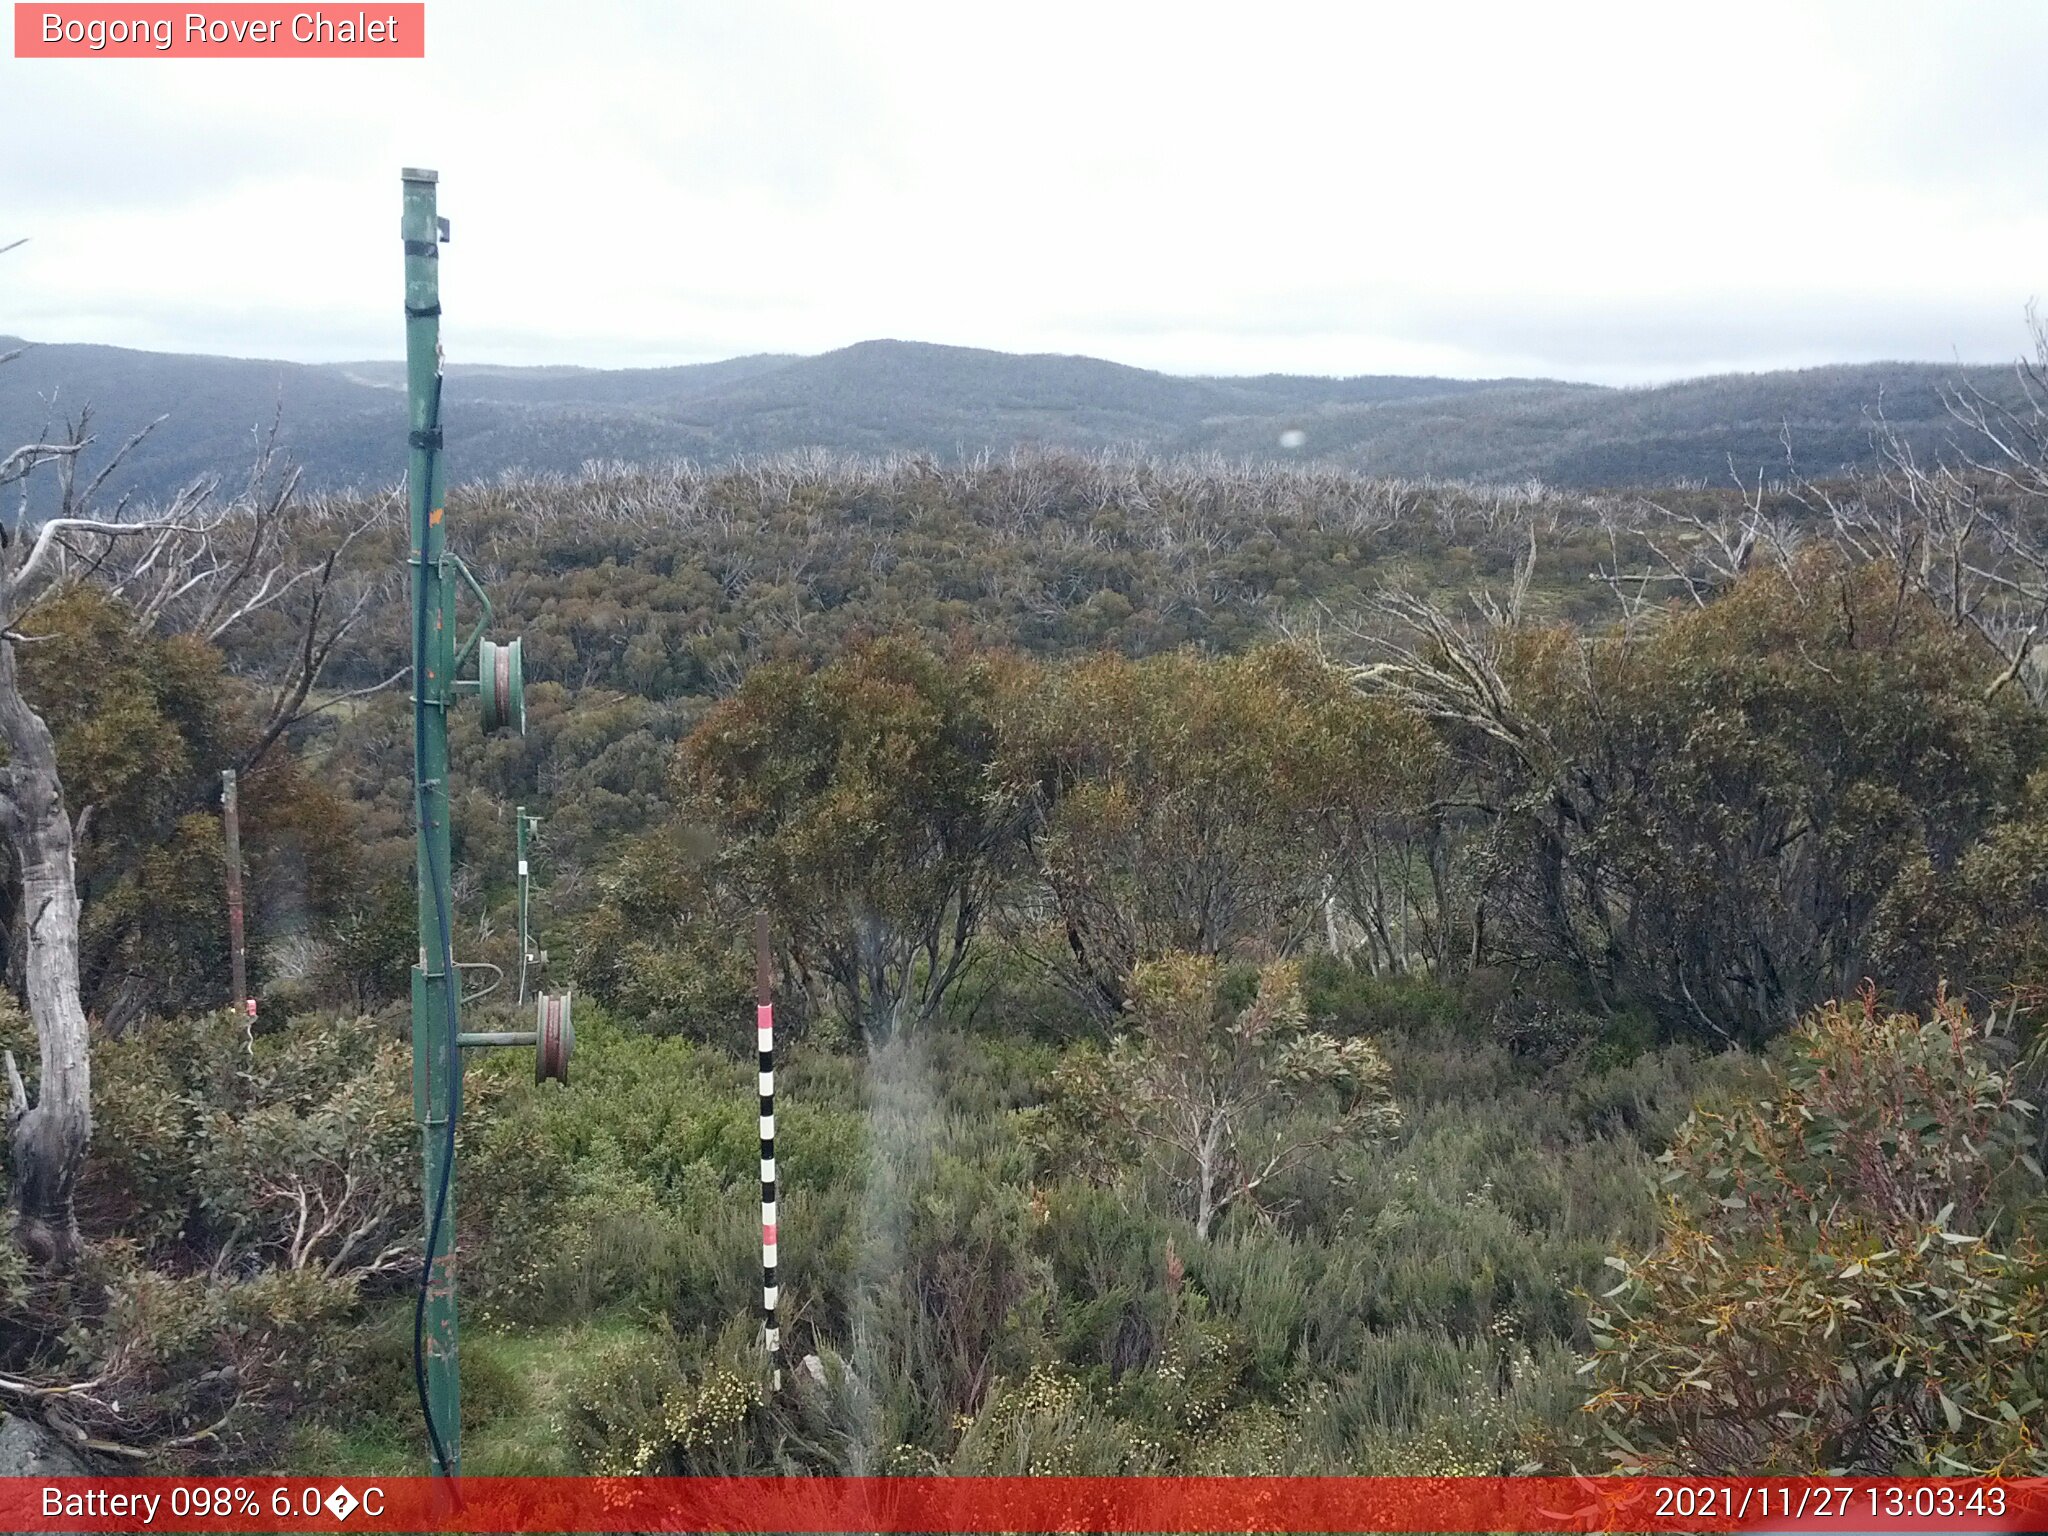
1020	1504
235	31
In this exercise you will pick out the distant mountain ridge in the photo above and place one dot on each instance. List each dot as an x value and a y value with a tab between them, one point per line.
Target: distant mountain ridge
344	421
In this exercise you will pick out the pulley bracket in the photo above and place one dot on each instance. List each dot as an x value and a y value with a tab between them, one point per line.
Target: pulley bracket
553	1038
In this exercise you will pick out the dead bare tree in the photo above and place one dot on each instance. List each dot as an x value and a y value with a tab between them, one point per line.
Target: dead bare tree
194	566
1965	529
48	1137
1678	551
1450	670
250	560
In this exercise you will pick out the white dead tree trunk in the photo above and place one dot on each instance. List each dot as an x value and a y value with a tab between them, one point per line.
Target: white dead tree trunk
47	1139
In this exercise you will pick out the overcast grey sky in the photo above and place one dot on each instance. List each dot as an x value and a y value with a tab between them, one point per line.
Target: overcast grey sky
1614	193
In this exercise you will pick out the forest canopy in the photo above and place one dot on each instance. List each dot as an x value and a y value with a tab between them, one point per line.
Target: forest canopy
1263	952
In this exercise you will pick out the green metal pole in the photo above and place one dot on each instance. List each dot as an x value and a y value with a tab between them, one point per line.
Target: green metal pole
436	1060
525	934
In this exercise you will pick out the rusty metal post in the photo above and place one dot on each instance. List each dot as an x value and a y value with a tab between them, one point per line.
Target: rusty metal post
231	830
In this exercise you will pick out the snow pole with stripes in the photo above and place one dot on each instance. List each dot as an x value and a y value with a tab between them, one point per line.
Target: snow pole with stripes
764	1028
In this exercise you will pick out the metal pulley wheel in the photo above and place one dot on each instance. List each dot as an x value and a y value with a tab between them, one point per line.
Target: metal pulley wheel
501	686
554	1039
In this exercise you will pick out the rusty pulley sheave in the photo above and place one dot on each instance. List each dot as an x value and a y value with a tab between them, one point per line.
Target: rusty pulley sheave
501	686
554	1038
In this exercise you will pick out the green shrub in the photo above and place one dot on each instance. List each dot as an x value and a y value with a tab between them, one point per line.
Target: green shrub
1108	1256
1350	1000
199	1367
1849	1277
1048	1425
1493	1418
373	946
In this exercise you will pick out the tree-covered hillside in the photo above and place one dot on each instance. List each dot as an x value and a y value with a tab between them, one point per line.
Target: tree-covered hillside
343	421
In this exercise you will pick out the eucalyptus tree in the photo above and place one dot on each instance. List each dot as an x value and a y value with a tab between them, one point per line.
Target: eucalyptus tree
198	565
855	801
1705	814
1235	1093
1197	804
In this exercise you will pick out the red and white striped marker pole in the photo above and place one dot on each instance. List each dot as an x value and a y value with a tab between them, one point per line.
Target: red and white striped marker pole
764	1028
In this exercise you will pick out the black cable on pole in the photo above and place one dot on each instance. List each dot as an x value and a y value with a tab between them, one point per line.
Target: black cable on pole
444	922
